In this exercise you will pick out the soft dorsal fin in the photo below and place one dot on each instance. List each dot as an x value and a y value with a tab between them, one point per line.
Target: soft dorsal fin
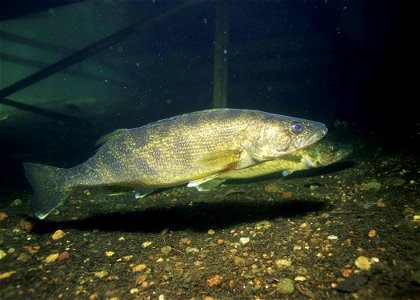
109	137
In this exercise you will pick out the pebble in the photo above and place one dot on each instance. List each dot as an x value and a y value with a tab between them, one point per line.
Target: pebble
109	253
23	257
166	249
146	244
285	286
101	274
51	258
139	268
211	232
263	225
3	216
281	263
238	261
363	263
58	235
134	291
372	233
16	202
244	240
191	250
64	255
272	188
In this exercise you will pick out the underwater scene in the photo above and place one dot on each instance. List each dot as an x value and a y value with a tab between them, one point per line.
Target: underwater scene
207	149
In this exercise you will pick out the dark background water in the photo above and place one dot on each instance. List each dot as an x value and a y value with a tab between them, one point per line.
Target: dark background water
322	60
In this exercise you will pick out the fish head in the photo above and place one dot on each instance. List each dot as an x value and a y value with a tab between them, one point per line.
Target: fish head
279	135
326	153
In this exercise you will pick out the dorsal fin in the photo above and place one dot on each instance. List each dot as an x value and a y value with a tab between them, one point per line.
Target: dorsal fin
108	137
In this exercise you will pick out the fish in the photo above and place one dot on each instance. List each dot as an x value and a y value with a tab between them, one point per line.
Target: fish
320	154
191	148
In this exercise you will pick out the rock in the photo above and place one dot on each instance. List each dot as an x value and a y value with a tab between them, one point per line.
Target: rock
109	253
238	261
363	263
272	188
139	268
263	225
166	250
3	216
282	263
244	240
353	283
101	274
146	244
285	286
371	186
23	257
51	258
58	235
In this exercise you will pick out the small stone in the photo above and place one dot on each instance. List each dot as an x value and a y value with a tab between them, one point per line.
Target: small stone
215	280
23	257
109	253
286	195
101	274
272	188
244	240
26	225
6	274
64	255
51	258
146	244
139	268
300	278
161	297
16	202
263	225
281	263
372	233
363	263
211	232
11	250
372	186
3	216
238	261
332	237
134	291
220	241
285	286
191	250
58	234
166	250
2	254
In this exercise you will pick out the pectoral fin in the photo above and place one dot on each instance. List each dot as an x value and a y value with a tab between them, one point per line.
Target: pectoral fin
223	160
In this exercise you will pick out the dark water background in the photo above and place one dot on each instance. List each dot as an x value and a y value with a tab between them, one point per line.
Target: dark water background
321	60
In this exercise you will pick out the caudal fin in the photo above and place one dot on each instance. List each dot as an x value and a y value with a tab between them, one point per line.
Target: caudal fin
48	185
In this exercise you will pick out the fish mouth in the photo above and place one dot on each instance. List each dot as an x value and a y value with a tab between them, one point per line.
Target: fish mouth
319	134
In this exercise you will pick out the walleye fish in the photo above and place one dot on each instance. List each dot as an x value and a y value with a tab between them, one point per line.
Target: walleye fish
320	154
191	148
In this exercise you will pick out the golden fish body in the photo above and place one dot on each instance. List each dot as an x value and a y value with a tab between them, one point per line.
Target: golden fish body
194	148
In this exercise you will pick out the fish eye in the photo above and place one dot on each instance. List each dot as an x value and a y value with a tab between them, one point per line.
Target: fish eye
296	127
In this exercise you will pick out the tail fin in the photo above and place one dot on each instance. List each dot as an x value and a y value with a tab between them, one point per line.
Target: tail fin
48	185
